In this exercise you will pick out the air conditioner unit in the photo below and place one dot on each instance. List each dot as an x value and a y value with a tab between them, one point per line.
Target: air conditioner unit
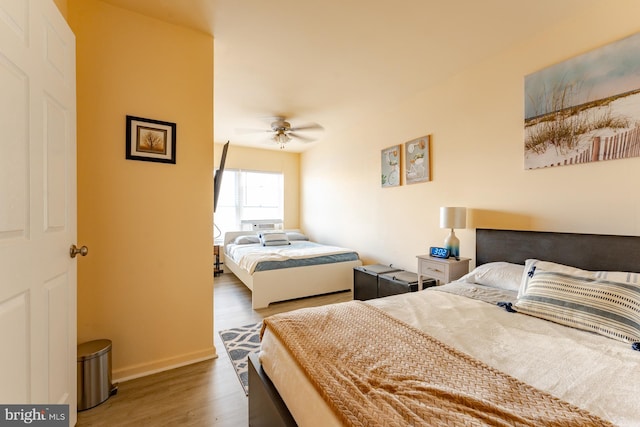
262	224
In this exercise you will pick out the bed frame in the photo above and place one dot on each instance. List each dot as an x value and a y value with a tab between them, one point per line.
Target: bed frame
586	251
291	283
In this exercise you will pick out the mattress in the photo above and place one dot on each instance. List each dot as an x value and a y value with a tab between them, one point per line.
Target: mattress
255	257
588	370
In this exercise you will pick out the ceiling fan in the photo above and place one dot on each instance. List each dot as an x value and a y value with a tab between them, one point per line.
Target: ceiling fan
282	131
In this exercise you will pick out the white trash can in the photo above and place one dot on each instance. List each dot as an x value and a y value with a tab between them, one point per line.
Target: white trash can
94	374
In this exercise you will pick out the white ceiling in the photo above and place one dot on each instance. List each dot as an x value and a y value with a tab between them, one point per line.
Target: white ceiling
332	62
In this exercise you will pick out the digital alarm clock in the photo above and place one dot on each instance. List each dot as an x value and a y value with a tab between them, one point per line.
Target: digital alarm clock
437	252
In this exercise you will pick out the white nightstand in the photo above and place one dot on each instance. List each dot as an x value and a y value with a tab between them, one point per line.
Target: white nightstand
444	270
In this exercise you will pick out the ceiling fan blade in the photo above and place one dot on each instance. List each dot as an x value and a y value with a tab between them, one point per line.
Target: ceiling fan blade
300	137
310	126
250	130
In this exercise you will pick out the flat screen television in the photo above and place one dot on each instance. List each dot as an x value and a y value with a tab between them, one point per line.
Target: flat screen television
217	178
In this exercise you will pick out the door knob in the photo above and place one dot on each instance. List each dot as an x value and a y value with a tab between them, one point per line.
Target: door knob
73	251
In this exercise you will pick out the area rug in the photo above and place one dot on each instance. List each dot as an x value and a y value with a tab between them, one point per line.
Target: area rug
239	342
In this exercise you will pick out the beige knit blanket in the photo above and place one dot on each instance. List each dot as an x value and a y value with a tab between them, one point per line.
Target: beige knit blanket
375	370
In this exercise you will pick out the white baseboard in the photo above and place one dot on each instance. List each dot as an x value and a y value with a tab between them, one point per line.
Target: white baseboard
144	369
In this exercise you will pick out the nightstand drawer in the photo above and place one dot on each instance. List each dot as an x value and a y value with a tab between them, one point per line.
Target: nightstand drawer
433	269
444	270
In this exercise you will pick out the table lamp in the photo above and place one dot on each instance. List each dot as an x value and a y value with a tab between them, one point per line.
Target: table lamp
453	217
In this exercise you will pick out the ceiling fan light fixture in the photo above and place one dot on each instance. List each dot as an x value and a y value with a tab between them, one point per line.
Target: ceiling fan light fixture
281	138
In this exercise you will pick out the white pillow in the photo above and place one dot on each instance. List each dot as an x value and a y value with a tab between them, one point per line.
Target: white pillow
245	240
533	265
501	275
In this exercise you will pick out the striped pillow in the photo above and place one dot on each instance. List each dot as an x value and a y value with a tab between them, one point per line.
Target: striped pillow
593	304
532	265
274	239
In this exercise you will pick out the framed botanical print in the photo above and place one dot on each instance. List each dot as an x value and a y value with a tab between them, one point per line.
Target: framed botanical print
390	166
416	157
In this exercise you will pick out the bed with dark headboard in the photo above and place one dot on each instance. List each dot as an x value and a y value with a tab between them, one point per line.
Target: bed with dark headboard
273	405
586	251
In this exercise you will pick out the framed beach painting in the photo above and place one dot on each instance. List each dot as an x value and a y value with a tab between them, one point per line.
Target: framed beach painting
585	109
416	159
390	166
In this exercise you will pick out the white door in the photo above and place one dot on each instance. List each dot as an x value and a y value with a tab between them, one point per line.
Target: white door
37	205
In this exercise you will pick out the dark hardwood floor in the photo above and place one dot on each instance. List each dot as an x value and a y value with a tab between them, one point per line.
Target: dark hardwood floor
202	394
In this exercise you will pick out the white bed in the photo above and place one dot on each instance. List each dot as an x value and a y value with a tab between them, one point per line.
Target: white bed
290	283
585	369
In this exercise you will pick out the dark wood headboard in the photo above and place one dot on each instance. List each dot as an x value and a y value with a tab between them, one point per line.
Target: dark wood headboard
586	251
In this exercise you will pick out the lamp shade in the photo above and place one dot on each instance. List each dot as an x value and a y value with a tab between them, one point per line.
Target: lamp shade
453	217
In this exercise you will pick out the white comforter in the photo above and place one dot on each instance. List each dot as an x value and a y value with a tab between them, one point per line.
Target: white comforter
248	256
588	370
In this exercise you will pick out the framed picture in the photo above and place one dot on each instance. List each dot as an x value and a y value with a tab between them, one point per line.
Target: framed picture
390	166
584	109
151	140
416	157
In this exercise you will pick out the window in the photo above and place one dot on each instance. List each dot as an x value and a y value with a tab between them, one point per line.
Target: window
249	195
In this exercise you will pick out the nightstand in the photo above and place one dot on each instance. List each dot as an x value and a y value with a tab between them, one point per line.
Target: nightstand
444	270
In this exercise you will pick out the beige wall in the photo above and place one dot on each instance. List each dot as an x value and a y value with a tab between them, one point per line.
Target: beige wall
147	281
269	161
476	122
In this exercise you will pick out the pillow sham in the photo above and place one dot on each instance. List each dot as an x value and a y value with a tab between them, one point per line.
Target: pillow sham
501	275
607	307
274	239
294	235
532	265
246	240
